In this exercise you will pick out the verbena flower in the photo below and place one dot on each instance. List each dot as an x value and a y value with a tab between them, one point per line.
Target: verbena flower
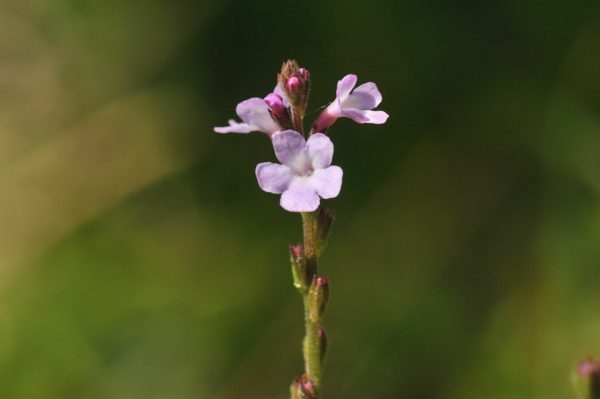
305	174
357	104
256	115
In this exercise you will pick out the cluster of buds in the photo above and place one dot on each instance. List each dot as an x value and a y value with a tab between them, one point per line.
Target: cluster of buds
300	273
295	83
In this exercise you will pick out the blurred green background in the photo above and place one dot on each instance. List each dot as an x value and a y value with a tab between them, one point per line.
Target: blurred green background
139	259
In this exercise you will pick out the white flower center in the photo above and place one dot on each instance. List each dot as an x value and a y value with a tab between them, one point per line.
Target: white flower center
302	164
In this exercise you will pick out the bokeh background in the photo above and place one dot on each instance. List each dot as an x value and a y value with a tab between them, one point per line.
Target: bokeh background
139	259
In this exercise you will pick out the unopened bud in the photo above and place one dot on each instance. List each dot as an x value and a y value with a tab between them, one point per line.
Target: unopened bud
324	224
275	102
295	82
278	111
318	295
299	272
590	369
303	388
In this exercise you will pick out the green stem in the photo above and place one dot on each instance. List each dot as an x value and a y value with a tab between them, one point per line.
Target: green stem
312	349
312	346
309	228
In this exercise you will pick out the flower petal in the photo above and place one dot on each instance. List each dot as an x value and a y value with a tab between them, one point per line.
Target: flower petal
300	196
279	90
320	150
327	182
361	116
345	86
288	145
236	127
273	177
365	96
255	111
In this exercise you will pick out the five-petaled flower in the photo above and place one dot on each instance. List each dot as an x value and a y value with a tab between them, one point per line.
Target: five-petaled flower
357	104
256	116
305	172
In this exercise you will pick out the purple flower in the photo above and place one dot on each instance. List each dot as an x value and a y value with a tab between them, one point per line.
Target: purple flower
357	104
305	172
256	116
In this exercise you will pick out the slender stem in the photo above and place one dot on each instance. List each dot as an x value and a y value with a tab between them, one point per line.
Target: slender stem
312	346
312	350
309	228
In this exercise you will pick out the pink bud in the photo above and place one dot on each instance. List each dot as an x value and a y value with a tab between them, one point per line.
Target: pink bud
296	250
307	386
322	281
293	83
299	272
275	102
303	388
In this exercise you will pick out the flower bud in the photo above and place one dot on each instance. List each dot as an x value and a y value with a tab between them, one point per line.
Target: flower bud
303	388
275	102
590	369
318	295
278	111
299	269
295	82
324	224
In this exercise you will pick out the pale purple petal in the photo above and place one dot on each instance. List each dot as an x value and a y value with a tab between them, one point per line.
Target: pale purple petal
278	90
255	111
365	96
360	116
376	117
320	150
273	177
300	196
328	181
345	86
236	127
288	145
